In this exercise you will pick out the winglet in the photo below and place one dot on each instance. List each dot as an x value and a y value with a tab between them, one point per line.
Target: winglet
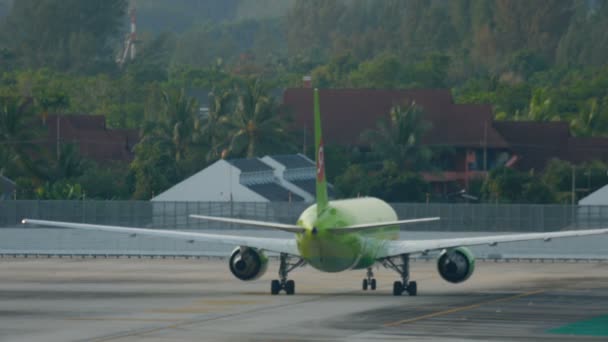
322	199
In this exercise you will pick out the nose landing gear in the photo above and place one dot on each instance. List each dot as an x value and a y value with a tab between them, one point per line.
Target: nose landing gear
370	281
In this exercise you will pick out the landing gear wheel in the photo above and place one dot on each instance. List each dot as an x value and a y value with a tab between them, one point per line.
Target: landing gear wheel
275	287
412	288
284	268
365	284
397	288
290	287
373	284
403	268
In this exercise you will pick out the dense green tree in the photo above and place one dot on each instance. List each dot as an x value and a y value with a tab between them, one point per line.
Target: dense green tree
592	119
154	170
388	71
588	178
69	35
311	26
105	182
153	59
181	117
214	127
256	127
584	42
383	72
511	186
353	182
399	139
534	25
68	164
335	73
17	137
238	43
389	183
166	151
60	190
180	15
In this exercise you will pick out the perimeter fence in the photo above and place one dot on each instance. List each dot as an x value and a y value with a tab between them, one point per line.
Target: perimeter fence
174	215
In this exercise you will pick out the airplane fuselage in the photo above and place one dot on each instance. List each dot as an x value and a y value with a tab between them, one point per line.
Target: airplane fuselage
331	252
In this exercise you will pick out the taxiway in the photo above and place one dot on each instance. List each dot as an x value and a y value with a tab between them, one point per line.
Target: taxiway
186	300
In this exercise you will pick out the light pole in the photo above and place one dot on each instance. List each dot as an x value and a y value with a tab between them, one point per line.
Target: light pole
573	184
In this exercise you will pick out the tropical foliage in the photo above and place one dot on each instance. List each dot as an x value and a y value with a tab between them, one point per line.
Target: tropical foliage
399	139
532	60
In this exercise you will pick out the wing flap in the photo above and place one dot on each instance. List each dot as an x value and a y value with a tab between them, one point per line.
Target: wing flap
421	246
366	226
269	244
272	225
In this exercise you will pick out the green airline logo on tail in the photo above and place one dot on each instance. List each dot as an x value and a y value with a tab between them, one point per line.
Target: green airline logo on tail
320	158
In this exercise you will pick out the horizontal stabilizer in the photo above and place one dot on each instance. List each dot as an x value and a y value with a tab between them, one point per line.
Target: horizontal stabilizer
272	225
365	226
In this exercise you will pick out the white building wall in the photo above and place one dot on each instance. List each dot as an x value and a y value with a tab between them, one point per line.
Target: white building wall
592	211
598	197
217	183
279	170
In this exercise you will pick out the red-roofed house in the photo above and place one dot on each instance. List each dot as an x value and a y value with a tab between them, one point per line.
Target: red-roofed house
94	140
479	143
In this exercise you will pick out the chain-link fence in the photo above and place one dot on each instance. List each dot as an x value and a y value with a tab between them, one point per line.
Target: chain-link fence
174	215
457	220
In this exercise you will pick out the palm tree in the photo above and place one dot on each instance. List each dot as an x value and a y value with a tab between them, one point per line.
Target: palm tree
256	126
541	107
592	119
181	118
399	139
17	135
162	155
214	126
175	128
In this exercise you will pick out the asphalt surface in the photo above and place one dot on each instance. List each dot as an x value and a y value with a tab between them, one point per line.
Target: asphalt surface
187	300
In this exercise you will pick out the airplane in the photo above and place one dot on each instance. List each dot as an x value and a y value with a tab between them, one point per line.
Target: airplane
335	236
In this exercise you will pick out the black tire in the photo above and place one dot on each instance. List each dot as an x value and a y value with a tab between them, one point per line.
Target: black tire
275	287
290	287
364	285
397	288
412	288
373	284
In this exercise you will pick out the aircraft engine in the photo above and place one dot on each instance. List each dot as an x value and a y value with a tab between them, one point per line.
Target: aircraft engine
248	263
456	265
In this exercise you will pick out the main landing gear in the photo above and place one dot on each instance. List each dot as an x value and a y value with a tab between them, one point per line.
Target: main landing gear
370	281
402	267
284	268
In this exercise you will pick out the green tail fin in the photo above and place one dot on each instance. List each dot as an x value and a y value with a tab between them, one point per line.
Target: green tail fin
320	159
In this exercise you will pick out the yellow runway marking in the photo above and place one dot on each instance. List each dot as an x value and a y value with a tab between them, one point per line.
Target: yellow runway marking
462	308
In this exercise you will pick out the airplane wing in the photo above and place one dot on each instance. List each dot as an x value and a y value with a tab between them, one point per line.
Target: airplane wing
365	226
395	248
272	225
297	229
268	244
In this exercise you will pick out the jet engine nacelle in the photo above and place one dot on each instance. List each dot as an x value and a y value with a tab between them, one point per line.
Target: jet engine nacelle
248	263
456	264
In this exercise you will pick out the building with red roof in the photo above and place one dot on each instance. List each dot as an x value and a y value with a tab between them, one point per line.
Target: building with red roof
93	139
479	143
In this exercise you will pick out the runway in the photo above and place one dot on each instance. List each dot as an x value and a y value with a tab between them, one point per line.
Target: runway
185	300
